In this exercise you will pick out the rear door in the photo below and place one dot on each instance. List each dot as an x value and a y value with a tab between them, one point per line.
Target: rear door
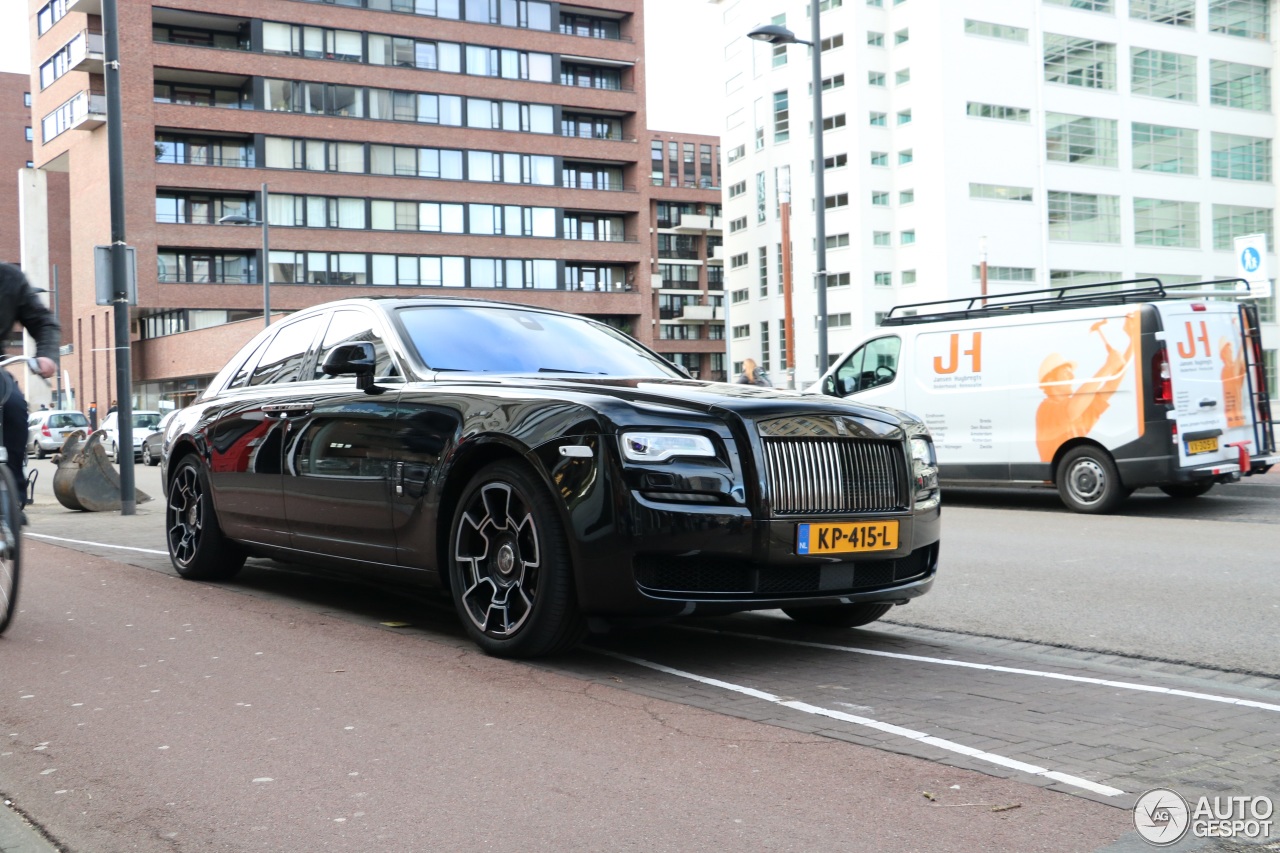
1206	362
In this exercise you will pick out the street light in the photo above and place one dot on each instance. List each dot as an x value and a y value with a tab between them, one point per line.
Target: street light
265	272
777	35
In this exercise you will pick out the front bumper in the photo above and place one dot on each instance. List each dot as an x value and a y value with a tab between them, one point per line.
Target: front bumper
685	560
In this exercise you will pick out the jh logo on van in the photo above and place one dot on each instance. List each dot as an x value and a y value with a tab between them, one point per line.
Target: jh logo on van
974	352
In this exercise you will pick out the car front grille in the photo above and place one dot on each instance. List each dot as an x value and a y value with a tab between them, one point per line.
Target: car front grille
815	476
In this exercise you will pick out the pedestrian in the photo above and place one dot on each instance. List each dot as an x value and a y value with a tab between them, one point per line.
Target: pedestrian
93	416
20	303
113	407
751	373
43	407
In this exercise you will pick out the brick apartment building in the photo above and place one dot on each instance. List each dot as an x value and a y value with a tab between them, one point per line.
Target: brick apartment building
688	276
451	147
32	230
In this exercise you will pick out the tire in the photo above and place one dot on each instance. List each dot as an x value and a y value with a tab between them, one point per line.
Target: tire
510	572
10	546
1187	491
1089	482
114	455
840	615
197	547
38	450
147	458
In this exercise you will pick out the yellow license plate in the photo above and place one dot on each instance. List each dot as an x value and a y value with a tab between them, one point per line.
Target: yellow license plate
1203	445
847	538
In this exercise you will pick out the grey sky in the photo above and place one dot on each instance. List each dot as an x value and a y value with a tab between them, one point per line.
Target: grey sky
683	76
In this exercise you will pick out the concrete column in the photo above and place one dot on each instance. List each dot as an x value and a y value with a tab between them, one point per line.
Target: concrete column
33	224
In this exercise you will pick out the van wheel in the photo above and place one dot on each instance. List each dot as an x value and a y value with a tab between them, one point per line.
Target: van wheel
1186	491
1088	481
839	615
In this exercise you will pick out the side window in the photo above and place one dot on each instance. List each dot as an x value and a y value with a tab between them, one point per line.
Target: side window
873	364
245	370
285	355
349	326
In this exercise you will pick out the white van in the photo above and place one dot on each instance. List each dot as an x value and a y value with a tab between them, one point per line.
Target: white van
1094	389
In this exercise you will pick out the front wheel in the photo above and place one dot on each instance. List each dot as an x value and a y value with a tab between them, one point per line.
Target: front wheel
1089	482
1186	491
147	457
10	546
197	547
510	572
39	451
840	615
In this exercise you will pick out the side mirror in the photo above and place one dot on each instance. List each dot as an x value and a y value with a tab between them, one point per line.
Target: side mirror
356	359
829	386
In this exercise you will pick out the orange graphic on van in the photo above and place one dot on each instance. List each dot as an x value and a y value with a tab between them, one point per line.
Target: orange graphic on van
1233	373
1068	412
953	362
1187	348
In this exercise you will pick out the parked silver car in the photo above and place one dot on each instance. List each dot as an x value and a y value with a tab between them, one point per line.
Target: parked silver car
47	428
144	422
154	442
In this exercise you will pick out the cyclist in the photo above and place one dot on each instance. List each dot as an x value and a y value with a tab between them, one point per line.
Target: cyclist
20	303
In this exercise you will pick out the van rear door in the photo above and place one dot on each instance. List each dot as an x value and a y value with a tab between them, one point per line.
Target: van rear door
1207	366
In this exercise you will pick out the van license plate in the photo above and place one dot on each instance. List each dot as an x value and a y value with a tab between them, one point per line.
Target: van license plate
1203	445
846	538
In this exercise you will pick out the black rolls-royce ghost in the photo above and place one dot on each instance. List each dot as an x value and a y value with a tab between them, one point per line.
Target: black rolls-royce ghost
548	471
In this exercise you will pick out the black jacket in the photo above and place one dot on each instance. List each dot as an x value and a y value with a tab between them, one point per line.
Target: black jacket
19	302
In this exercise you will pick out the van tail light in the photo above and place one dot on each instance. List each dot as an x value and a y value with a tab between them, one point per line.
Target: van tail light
1161	378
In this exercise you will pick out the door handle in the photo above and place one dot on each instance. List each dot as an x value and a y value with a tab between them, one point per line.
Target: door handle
284	410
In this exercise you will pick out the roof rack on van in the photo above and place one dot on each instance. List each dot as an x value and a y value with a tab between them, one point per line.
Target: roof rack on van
1060	298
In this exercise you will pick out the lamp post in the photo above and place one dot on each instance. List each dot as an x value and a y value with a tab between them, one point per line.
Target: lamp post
265	272
776	35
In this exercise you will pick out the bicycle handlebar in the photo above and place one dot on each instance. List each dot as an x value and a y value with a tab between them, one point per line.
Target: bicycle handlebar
32	364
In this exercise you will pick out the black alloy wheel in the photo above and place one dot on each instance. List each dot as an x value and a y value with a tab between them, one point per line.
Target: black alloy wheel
509	567
197	547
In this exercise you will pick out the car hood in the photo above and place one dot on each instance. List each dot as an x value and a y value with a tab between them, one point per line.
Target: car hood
748	401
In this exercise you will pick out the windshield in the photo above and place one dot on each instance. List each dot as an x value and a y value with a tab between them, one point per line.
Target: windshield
506	340
146	420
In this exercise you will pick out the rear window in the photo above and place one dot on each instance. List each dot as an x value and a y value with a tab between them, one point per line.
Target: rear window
146	420
69	419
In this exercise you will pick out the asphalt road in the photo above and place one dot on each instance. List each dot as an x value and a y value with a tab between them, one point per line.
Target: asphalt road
145	713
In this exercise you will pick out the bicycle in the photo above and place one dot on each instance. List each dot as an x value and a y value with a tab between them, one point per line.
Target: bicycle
11	499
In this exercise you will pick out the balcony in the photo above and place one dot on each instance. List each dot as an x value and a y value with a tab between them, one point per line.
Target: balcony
701	314
84	111
716	258
694	223
86	53
86	7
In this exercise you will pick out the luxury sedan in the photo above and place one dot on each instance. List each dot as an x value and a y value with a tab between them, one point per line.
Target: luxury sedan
547	471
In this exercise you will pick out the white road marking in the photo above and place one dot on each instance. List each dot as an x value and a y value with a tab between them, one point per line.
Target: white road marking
1057	676
97	544
888	728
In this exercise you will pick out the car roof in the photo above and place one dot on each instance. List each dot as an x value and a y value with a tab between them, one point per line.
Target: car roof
390	303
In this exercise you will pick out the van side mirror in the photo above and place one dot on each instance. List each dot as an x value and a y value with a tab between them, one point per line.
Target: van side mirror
829	386
358	359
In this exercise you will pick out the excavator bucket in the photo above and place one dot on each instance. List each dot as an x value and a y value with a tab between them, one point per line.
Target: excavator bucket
85	479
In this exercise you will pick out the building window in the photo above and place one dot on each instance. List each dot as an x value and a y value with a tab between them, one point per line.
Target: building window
901	77
875	78
29	134
738	261
737	189
1241	158
1161	74
737	225
837	200
906	197
878	119
901	37
880	238
737	153
1081	139
829	83
1084	217
781	117
1175	13
50	13
1231	221
743	331
837	241
764	343
762	208
832	42
906	238
883	279
837	161
996	111
1245	87
1158	222
880	199
1171	150
737	296
195	150
833	122
842	320
995	31
1079	62
203	208
1244	18
195	266
1000	193
26	99
875	39
906	157
879	158
1021	274
904	117
908	277
1105	6
839	279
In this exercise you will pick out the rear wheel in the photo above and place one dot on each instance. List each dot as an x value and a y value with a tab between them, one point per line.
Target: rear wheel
39	451
509	566
10	546
197	547
1088	481
1186	491
840	615
147	458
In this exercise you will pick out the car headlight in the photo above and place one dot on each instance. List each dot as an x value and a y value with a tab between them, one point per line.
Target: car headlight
660	446
924	468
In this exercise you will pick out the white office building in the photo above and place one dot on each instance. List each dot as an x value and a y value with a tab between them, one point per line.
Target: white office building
1063	141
